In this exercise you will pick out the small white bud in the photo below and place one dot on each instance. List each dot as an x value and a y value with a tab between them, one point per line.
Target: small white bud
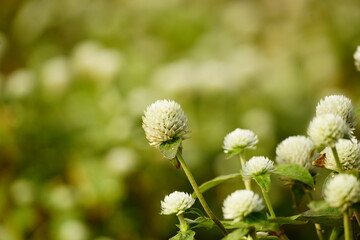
357	58
257	166
163	121
240	139
337	105
176	203
241	203
327	129
342	191
295	150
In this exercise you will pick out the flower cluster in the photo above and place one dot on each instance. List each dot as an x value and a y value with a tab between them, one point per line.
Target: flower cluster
257	166
239	140
176	203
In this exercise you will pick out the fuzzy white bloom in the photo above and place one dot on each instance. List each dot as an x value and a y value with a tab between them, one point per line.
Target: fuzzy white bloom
176	203
240	139
240	204
257	166
342	191
337	105
296	150
357	58
327	129
349	155
163	121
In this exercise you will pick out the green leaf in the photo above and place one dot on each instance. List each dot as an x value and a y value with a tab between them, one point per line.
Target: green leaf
263	181
195	211
287	220
318	205
170	148
188	235
296	172
237	234
268	238
200	222
216	181
326	216
298	192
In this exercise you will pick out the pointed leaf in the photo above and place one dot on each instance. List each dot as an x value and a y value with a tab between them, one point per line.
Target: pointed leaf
195	211
328	216
263	181
287	220
200	222
170	148
298	193
188	235
216	181
237	234
296	172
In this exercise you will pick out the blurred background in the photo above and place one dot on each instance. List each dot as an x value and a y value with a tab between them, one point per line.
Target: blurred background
76	76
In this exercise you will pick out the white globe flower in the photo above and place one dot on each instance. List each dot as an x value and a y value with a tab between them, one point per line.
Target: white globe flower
342	191
349	155
241	203
163	121
357	58
257	166
337	105
240	139
327	129
295	150
176	203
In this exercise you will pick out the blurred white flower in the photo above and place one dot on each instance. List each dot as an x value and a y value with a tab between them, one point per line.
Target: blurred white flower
120	161
342	191
163	121
20	83
72	229
327	129
93	61
61	197
257	166
240	139
295	150
241	203
176	203
349	155
337	105
22	191
357	58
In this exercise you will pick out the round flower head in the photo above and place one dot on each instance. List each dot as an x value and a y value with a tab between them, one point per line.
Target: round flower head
342	191
296	150
327	129
240	204
357	58
163	121
349	155
176	203
257	166
337	105
240	139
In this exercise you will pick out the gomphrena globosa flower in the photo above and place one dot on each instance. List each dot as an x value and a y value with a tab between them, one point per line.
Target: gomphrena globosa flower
327	129
342	191
349	155
163	121
295	150
357	58
241	203
239	140
337	105
257	166
176	203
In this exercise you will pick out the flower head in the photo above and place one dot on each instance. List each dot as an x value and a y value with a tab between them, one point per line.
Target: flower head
297	150
337	105
240	204
357	58
164	120
257	166
176	203
342	191
240	139
349	155
327	129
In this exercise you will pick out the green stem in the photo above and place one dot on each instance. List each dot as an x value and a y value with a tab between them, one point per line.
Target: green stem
357	216
247	182
183	224
335	233
319	231
268	203
347	226
252	234
199	194
337	159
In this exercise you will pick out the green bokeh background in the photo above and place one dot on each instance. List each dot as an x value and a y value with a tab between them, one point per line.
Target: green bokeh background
76	76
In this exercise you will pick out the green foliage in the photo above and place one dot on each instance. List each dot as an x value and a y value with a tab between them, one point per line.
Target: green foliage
237	234
188	235
296	172
263	181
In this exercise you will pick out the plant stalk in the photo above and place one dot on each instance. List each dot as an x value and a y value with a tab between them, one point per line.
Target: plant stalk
347	226
337	159
247	182
268	203
183	224
199	194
